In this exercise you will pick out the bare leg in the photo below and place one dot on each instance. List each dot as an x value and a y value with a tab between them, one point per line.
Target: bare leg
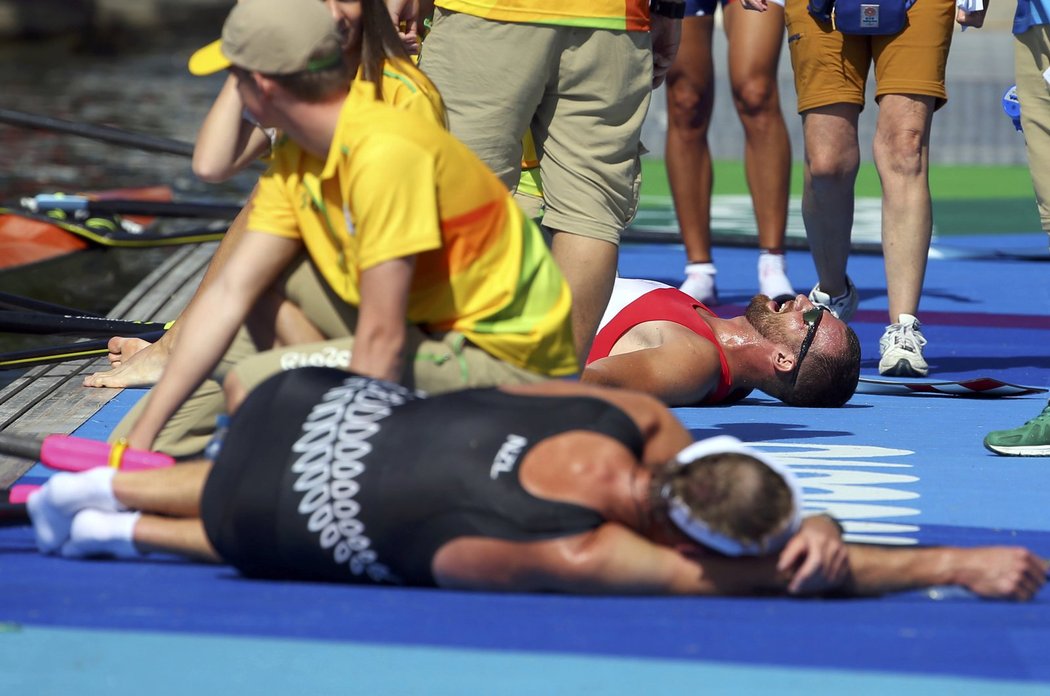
144	367
185	537
901	149
173	492
832	160
754	52
589	267
690	98
276	321
170	500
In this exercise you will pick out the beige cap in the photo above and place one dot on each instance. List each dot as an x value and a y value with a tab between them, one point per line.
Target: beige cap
274	37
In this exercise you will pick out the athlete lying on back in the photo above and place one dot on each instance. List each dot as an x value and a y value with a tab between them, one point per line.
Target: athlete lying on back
656	339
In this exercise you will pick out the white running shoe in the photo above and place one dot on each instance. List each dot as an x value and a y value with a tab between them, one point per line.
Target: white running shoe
772	277
901	349
700	283
843	306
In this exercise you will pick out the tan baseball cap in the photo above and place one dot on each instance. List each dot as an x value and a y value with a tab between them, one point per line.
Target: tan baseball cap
274	37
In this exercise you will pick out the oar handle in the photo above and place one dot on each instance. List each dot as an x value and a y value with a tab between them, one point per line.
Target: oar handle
19	493
70	453
37	323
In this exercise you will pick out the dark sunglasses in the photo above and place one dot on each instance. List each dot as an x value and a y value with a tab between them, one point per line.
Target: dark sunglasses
812	318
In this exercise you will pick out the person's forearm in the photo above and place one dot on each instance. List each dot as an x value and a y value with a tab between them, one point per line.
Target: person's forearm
878	570
218	260
211	324
226	143
379	352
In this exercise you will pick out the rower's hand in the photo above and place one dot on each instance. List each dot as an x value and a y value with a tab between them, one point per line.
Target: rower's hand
816	558
1001	572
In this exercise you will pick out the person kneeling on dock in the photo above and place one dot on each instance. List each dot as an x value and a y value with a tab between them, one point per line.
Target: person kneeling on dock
556	486
433	276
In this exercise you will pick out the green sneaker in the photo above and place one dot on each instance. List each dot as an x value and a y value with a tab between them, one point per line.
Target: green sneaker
1030	440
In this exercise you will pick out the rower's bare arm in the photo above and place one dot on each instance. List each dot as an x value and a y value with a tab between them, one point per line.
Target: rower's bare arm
227	143
379	338
1002	572
678	372
210	324
609	560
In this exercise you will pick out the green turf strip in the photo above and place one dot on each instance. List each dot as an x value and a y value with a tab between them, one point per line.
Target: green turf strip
966	199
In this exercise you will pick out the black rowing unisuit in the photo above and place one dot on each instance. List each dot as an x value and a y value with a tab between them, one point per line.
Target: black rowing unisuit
334	477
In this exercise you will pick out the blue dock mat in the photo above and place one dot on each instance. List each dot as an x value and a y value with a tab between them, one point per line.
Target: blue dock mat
897	470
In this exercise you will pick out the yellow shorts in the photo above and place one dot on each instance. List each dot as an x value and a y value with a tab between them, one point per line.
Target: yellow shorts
832	68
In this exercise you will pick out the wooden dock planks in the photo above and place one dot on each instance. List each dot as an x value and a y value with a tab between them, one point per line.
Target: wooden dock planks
51	398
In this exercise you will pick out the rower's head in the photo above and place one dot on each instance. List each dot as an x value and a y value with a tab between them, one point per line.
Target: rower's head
728	497
294	43
816	356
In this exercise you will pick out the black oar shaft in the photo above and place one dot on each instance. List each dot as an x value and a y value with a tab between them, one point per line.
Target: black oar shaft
69	351
165	209
13	515
35	323
108	134
19	302
21	446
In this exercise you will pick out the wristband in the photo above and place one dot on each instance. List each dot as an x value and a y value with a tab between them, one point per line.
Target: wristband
667	8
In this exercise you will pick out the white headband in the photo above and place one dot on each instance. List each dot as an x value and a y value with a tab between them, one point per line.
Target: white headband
699	531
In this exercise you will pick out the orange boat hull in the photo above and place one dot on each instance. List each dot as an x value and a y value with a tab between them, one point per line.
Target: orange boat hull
25	240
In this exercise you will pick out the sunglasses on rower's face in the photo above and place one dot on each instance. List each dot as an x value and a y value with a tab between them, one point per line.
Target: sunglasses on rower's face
812	319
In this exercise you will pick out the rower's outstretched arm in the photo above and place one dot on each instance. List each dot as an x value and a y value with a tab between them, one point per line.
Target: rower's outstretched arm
615	560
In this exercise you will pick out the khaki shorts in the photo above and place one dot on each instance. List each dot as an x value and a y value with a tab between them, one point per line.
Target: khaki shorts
435	364
582	92
832	68
1031	58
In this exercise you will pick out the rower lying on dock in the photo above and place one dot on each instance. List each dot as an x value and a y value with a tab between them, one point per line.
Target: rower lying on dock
554	486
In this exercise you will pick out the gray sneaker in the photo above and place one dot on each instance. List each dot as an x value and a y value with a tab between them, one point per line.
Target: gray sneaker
842	307
901	349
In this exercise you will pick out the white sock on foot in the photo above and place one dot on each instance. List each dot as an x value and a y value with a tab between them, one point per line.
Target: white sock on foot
64	495
98	533
700	282
772	275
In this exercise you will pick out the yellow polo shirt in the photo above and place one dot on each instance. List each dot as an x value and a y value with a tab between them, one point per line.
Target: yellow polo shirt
396	185
620	15
405	87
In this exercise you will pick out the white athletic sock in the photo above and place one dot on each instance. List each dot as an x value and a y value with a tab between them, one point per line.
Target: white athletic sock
64	495
772	275
98	533
700	282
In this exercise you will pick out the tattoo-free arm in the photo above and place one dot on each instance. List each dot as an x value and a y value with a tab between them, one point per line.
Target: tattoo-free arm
379	339
210	324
